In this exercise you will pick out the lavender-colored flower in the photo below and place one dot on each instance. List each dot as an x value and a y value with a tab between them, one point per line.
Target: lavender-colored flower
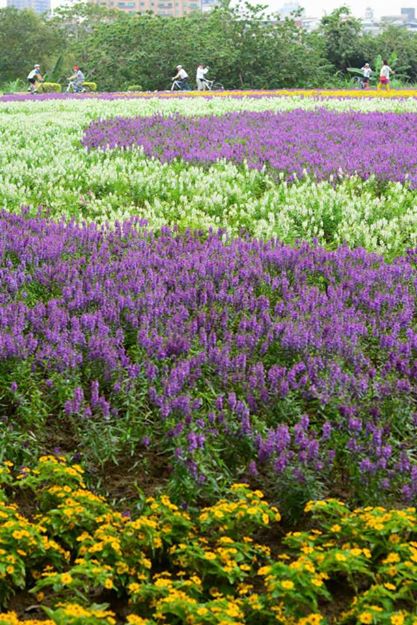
320	143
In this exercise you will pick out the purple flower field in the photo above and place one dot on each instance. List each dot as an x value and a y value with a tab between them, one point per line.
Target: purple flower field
227	358
320	143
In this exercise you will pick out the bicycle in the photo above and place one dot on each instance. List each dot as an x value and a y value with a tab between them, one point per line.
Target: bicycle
179	85
213	85
71	88
357	81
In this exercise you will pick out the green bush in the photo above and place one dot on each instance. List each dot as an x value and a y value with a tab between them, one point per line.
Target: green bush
91	86
49	87
135	88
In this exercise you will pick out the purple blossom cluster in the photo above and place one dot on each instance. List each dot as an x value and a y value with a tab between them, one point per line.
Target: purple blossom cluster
126	95
296	363
321	143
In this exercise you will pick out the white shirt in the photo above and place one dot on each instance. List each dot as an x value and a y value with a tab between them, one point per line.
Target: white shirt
201	72
367	72
33	73
385	71
182	74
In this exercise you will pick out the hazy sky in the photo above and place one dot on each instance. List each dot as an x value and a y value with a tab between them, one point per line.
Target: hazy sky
316	8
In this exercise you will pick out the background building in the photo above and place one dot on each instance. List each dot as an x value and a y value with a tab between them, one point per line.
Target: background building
173	8
40	6
288	8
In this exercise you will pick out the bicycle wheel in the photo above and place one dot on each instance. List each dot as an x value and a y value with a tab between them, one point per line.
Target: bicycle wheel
217	86
357	82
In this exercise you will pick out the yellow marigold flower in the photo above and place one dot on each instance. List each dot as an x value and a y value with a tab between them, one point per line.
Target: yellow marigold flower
264	570
66	579
108	584
366	617
10	569
311	619
389	586
202	611
397	619
394	539
316	581
17	534
335	528
132	619
209	555
356	551
287	584
340	557
392	571
391	557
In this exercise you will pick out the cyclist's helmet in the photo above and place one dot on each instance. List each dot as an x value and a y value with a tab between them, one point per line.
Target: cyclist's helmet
36	66
179	66
76	68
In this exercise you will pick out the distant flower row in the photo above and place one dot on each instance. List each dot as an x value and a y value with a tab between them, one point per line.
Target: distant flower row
235	93
106	186
320	143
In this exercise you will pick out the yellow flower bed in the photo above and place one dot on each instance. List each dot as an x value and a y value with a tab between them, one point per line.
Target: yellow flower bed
307	93
226	564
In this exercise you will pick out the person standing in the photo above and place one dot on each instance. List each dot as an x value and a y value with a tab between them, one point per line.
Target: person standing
367	73
201	77
34	77
384	76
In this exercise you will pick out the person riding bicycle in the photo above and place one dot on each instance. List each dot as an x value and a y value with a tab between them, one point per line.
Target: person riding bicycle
181	78
77	79
34	77
201	77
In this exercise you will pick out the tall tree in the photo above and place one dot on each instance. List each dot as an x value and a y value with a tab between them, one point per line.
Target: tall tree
341	32
25	38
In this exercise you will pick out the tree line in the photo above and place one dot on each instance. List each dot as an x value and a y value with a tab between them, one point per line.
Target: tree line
243	45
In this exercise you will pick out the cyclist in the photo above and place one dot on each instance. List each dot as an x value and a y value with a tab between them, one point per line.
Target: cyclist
34	77
77	79
201	77
367	73
182	78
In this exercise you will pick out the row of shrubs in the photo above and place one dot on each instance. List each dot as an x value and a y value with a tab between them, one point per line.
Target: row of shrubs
88	563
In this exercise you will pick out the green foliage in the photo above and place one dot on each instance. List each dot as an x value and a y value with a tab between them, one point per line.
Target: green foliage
14	86
49	87
243	45
341	33
135	88
91	86
25	39
57	71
